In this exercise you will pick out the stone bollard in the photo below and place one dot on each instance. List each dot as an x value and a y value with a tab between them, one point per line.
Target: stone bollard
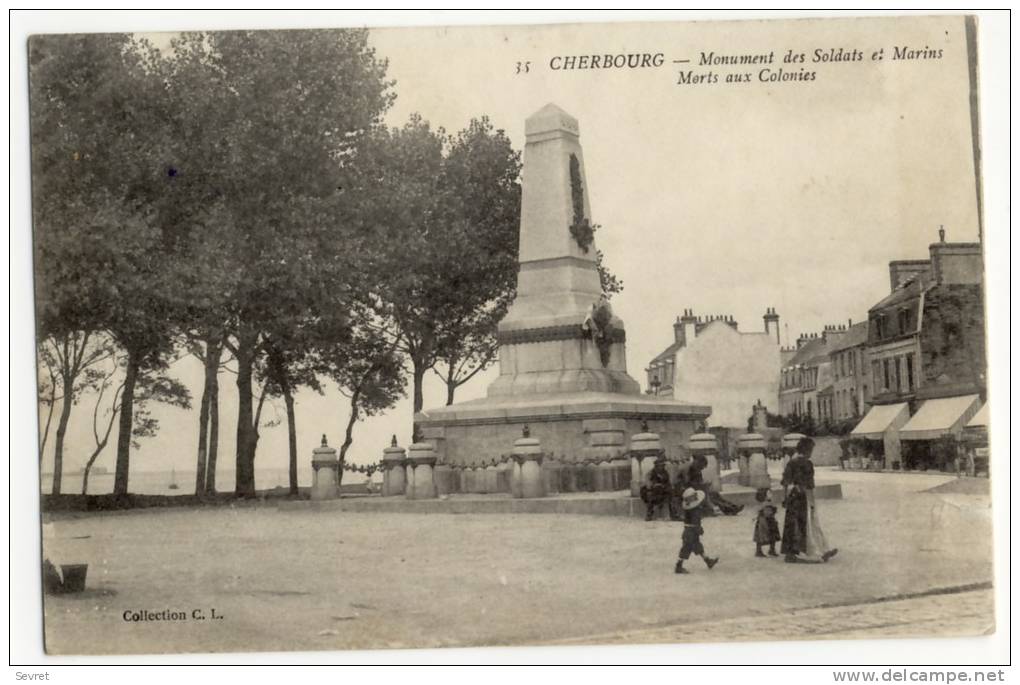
551	469
325	483
753	444
743	475
744	456
527	479
504	474
421	458
705	445
491	479
606	443
790	441
446	478
645	448
395	465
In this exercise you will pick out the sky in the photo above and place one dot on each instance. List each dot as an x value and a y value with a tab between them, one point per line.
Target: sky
724	198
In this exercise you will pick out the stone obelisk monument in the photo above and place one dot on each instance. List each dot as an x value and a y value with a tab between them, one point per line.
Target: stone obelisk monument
562	359
545	344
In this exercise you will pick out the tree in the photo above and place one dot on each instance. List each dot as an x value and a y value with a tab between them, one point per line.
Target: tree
97	162
288	365
365	366
71	358
47	385
158	388
445	212
273	118
482	191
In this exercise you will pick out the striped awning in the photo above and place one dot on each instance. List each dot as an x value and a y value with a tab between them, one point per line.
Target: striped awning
941	416
878	420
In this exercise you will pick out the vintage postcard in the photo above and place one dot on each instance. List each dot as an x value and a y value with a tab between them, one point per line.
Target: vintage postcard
657	332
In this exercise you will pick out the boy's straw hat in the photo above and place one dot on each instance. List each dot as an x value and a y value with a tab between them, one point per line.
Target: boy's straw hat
693	498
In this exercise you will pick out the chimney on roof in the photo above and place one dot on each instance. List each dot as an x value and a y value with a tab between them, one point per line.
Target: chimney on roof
688	323
772	323
942	234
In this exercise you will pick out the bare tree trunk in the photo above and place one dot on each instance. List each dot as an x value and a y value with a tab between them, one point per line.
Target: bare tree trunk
291	439
92	460
255	427
348	433
58	450
419	401
127	399
203	439
49	418
212	366
451	388
245	461
214	437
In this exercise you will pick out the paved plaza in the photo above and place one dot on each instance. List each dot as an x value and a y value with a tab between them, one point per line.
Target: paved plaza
302	579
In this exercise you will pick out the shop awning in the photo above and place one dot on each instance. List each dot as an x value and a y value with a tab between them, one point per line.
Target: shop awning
980	419
941	416
878	420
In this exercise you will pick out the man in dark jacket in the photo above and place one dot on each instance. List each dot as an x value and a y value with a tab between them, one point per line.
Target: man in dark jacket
656	489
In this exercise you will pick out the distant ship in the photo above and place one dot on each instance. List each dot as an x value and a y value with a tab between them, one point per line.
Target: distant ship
173	480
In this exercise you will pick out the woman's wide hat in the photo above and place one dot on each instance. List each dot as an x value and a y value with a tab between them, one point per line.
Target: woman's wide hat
693	498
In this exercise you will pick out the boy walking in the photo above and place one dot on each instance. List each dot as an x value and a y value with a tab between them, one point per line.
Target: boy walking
691	542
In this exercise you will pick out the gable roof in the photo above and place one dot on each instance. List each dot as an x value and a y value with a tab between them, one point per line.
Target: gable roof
855	336
910	290
667	353
815	347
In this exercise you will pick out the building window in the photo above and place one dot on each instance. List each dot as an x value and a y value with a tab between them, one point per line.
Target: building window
886	376
910	372
899	378
853	362
903	320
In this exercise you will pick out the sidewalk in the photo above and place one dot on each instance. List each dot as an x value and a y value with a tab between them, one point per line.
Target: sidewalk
953	614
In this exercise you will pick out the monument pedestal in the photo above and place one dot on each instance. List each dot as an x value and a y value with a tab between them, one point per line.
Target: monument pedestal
478	431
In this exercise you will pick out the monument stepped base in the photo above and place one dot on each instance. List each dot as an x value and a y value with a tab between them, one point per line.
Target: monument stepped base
572	427
618	503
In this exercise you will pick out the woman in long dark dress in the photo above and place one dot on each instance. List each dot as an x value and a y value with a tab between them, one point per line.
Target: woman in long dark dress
799	500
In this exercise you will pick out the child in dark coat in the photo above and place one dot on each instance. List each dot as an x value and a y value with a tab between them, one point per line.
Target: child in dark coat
766	528
691	541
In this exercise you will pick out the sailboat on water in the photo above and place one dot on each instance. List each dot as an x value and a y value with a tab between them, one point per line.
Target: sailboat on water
173	480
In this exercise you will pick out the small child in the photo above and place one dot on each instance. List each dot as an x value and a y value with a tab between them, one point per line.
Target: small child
766	528
692	503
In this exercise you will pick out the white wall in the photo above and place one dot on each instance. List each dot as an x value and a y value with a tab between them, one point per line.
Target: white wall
730	371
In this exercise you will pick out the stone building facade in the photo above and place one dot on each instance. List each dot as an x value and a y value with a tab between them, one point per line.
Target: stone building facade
927	337
712	360
806	378
926	349
851	373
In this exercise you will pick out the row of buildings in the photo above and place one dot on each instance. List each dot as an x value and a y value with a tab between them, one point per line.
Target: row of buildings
906	377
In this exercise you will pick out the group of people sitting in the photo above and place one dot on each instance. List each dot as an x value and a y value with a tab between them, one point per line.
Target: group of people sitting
659	491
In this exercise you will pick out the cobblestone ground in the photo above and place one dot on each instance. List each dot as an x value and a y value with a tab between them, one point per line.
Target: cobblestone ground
943	615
